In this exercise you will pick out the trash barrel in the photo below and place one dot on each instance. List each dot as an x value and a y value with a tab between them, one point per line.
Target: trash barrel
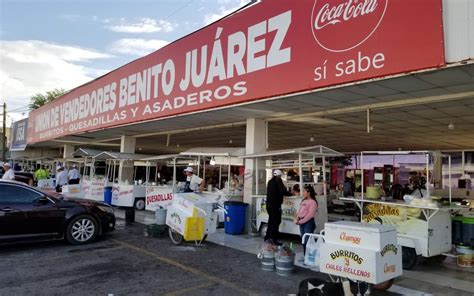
108	195
468	229
456	228
235	217
129	215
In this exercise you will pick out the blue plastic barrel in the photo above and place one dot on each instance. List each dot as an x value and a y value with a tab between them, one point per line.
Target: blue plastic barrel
108	195
235	217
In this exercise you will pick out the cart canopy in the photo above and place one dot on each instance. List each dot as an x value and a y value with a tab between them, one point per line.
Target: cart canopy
315	151
83	152
120	156
215	151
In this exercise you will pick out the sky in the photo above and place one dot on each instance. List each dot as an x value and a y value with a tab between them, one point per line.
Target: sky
48	44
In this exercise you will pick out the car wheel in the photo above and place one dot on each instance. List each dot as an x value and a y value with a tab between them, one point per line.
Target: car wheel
82	230
175	237
263	230
140	204
409	258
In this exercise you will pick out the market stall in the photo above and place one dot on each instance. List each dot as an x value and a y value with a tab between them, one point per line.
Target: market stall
92	184
125	192
309	172
423	221
159	190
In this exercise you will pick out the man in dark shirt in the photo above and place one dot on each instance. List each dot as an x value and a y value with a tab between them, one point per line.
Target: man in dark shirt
275	193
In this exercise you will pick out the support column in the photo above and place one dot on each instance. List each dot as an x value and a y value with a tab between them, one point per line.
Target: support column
255	143
127	145
438	170
68	150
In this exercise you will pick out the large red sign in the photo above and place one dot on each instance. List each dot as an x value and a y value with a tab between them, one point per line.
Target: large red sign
269	49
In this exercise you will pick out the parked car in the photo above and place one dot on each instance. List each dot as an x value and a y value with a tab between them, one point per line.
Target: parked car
27	213
25	177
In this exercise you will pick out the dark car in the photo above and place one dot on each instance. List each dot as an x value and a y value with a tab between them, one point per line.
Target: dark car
25	177
27	213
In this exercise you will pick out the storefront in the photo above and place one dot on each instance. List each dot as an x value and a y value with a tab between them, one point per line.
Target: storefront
352	76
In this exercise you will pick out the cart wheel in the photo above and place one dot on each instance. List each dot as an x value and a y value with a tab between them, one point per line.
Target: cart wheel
263	230
175	237
139	204
384	286
409	258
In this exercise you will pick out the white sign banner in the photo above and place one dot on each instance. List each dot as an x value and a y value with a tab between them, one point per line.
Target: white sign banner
158	196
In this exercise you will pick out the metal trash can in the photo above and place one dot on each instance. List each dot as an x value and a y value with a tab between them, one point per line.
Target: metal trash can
129	215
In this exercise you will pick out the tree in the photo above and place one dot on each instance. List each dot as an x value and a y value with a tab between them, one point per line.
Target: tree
39	100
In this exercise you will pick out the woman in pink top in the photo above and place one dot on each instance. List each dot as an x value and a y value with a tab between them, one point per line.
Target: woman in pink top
307	211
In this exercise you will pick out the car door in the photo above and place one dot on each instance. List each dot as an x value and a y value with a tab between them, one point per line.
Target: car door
13	213
29	212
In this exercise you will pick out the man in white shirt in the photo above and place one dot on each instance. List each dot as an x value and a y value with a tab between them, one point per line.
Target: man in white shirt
193	182
74	175
9	173
61	178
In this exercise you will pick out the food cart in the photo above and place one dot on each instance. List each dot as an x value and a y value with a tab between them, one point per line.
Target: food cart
159	194
366	254
125	193
304	159
91	185
423	224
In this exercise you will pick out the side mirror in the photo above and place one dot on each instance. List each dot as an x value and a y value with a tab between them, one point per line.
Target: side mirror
42	201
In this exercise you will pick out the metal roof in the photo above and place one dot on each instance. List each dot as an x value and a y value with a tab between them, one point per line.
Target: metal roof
82	152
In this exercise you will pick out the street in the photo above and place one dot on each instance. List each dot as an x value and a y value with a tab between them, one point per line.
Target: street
127	263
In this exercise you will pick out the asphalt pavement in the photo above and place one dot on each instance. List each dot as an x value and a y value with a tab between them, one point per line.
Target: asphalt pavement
128	263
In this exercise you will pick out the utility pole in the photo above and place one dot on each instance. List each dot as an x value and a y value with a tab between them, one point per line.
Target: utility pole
4	140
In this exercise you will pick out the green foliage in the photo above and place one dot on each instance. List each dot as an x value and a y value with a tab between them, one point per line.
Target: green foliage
39	100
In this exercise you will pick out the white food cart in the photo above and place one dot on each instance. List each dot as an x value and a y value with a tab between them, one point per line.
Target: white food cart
423	226
191	217
125	193
303	159
366	253
159	195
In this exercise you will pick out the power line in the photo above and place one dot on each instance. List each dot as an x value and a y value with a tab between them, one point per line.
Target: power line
179	9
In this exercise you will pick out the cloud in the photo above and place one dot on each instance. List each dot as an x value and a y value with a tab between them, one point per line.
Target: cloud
143	25
137	46
227	7
28	67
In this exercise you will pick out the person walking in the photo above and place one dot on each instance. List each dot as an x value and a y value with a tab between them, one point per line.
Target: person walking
8	174
41	174
275	193
306	213
61	178
73	175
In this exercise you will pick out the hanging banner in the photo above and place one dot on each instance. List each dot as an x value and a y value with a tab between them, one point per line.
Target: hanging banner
19	132
269	49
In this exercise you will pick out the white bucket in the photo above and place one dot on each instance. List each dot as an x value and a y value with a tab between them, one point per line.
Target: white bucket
160	216
465	256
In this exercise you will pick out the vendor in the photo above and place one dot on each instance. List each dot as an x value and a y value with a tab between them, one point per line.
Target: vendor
193	182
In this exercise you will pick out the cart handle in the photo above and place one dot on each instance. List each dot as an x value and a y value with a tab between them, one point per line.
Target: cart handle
321	235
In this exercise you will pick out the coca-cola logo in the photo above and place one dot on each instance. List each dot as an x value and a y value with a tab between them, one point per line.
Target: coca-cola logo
341	25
